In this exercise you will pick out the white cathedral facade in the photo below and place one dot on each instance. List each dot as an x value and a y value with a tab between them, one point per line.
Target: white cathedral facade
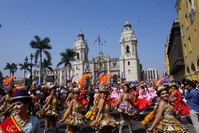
128	62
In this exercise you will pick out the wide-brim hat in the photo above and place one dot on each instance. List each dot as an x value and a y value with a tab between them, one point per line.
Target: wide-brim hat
20	94
161	88
103	90
52	87
76	90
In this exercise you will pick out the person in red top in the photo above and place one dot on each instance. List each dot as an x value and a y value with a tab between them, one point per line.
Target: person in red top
177	98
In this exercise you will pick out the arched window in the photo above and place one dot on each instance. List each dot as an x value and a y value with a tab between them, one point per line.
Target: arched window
129	63
77	55
188	70
127	49
193	69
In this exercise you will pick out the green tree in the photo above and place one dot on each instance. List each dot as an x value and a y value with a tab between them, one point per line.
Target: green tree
67	57
11	67
41	46
46	65
24	66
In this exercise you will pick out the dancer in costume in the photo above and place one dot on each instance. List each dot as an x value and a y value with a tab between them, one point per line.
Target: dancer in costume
151	92
165	121
177	98
21	121
142	92
114	96
73	116
140	104
104	122
36	106
126	107
50	110
6	107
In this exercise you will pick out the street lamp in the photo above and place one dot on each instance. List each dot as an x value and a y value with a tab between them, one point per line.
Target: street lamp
30	65
25	67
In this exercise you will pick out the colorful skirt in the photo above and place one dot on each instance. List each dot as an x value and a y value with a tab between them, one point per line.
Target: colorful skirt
105	122
142	104
170	125
129	110
49	113
76	119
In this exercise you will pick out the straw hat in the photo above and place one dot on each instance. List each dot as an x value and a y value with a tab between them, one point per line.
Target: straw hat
103	90
161	88
52	87
76	90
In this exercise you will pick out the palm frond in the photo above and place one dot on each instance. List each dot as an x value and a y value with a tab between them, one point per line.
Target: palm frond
48	55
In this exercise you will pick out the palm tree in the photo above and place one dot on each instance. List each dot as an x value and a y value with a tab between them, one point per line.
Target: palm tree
11	67
41	46
67	57
46	64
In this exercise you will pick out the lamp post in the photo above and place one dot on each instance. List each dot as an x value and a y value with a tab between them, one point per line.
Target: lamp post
25	67
30	65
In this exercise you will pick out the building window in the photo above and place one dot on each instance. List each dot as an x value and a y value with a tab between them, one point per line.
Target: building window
127	49
77	55
129	63
186	21
85	56
189	44
129	71
185	50
114	64
195	33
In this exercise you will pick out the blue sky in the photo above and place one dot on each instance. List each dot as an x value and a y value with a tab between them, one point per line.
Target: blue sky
62	20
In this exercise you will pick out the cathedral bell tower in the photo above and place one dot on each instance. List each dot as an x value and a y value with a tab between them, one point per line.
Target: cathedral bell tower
129	62
81	48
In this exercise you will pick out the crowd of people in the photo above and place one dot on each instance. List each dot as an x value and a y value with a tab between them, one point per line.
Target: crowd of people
21	109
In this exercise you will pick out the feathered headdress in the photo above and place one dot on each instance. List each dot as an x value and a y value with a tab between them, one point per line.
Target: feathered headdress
100	73
82	80
104	78
72	79
122	78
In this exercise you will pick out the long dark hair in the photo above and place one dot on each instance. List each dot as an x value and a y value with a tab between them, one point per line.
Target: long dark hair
160	89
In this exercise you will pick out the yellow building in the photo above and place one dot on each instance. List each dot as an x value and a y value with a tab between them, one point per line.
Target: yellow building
167	68
188	16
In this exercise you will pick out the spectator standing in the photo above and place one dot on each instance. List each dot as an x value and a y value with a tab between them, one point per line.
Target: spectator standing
192	95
